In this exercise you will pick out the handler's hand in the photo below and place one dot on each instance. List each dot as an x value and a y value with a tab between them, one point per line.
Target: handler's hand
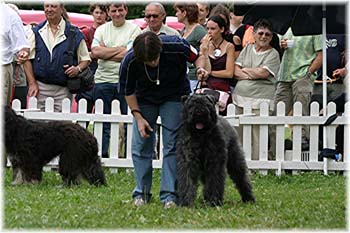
202	74
144	128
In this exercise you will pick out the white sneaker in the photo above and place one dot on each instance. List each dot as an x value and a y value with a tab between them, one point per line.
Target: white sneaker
170	204
138	201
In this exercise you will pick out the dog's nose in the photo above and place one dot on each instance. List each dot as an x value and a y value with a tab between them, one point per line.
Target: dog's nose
198	110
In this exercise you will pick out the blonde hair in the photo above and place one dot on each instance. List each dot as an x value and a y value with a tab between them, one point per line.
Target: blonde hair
64	13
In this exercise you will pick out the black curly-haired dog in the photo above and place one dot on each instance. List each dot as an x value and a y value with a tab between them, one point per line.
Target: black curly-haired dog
32	144
207	146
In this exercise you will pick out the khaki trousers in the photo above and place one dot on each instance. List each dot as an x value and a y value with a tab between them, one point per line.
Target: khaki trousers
58	93
297	91
7	82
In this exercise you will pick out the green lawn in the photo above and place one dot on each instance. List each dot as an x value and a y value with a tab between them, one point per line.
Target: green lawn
305	201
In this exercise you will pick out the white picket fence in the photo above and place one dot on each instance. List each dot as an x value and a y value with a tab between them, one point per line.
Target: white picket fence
292	160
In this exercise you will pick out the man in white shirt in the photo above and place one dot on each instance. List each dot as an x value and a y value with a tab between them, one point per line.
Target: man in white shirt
110	44
13	42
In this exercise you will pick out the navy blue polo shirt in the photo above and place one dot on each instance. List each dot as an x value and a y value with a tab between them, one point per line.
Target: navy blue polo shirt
137	78
335	46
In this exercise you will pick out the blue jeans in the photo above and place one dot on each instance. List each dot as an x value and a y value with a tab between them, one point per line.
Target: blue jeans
143	151
108	92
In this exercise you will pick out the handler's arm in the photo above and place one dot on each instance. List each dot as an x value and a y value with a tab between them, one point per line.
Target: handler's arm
142	123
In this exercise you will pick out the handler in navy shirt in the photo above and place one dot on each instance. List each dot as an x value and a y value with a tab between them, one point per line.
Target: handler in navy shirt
153	79
335	44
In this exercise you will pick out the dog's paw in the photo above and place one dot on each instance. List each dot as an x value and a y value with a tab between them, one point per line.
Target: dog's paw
18	178
16	182
34	181
250	199
215	203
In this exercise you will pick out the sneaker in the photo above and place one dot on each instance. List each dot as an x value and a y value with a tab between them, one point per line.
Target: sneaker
170	204
138	201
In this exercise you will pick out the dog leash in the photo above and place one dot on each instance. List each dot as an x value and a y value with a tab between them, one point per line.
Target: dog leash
18	67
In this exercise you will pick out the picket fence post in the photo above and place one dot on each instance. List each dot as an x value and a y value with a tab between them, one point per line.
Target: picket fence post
98	126
263	136
314	133
82	109
279	137
247	134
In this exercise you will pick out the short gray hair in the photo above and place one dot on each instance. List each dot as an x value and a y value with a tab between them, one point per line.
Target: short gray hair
159	5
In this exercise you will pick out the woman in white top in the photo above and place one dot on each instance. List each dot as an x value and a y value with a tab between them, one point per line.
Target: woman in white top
256	69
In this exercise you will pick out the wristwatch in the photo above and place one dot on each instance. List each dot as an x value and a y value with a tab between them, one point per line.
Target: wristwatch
308	74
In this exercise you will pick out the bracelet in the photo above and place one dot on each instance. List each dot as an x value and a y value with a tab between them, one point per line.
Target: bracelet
136	110
79	68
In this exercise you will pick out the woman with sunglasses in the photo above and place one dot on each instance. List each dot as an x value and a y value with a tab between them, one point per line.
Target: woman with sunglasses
256	69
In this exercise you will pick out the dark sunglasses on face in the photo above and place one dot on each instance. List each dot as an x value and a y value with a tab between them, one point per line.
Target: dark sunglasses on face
151	15
267	34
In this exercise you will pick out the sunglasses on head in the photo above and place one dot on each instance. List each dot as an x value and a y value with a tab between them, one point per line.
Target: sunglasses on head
267	34
151	15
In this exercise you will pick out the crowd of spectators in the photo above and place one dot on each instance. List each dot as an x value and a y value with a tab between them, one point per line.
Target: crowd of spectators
149	70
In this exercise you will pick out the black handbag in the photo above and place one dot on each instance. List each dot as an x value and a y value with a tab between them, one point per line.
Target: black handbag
85	80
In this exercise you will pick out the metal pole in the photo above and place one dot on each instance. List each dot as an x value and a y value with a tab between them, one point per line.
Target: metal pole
324	59
324	80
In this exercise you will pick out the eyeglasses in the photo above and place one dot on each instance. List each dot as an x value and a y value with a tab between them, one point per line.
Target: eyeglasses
267	34
151	15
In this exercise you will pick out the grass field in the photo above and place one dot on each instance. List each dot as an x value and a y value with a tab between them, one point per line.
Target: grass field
306	201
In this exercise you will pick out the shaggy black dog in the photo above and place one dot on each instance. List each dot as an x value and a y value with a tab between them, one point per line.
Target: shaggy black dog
32	144
207	145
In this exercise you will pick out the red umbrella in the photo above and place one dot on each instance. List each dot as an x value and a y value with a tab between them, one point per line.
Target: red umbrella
37	16
81	20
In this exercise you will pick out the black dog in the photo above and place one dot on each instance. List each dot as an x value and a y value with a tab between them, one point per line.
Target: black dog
207	145
32	144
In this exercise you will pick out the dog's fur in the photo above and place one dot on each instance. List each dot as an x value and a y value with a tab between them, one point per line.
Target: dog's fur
206	145
32	144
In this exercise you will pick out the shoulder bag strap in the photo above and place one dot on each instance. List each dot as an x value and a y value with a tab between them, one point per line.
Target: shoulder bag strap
71	40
